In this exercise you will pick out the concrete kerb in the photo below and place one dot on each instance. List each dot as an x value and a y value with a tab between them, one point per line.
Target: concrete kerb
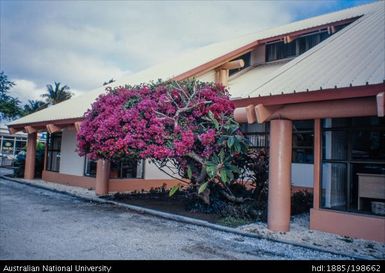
183	219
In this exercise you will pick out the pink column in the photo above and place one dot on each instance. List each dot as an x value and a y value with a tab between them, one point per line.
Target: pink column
102	177
280	175
29	169
317	163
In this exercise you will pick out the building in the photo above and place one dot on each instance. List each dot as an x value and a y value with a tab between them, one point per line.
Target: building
10	145
311	91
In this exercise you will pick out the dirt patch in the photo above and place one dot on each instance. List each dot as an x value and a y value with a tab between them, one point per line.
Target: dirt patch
178	204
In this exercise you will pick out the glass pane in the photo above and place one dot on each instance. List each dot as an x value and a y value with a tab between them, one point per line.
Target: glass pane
303	155
129	169
56	142
125	168
7	146
256	128
90	167
303	140
140	169
53	161
303	125
368	122
271	52
258	140
334	186
20	145
115	169
368	145
334	145
335	123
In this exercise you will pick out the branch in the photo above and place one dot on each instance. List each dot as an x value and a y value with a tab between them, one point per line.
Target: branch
196	158
172	176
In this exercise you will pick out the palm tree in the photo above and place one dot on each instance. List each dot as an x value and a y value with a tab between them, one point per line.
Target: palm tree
33	106
57	94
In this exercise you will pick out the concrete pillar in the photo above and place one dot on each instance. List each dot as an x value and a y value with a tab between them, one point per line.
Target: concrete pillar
29	170
280	175
102	177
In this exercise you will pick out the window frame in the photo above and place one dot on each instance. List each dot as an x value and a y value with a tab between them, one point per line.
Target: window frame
349	162
51	150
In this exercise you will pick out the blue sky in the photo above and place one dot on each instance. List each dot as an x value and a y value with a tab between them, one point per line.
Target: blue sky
85	43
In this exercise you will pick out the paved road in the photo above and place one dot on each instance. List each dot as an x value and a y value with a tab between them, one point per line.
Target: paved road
40	224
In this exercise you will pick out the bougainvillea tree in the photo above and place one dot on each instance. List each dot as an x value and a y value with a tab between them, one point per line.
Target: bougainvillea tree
185	128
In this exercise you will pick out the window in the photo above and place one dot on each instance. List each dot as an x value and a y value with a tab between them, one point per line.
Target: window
89	167
353	149
20	144
258	134
303	134
279	50
53	151
246	58
127	168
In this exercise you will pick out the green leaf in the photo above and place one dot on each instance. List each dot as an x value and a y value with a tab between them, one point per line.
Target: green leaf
211	170
222	155
234	169
230	142
211	115
224	176
216	124
189	172
202	187
173	190
237	146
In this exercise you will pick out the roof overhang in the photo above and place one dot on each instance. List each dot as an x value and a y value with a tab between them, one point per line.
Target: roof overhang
351	102
45	126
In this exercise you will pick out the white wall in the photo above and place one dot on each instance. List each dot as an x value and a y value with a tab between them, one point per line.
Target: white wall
70	161
302	175
151	171
258	55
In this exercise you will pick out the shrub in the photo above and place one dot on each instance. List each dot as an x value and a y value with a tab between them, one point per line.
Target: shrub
188	125
301	201
19	163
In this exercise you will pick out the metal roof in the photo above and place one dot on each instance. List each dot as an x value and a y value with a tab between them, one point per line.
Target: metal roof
240	86
355	56
75	107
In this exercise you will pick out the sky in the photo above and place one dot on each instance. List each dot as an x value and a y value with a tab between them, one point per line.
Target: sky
83	44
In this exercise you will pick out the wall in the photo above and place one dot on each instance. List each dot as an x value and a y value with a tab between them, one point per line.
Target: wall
68	179
70	161
348	224
302	175
258	55
152	172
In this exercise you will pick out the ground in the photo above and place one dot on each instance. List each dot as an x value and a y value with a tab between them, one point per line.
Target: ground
40	224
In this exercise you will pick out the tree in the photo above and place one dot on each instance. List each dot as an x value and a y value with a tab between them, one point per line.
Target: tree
9	106
110	81
186	127
56	93
33	106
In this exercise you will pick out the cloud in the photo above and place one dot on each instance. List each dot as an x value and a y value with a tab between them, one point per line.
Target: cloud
83	44
25	90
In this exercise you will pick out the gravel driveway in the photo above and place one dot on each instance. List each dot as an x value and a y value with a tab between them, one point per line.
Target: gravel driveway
40	224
